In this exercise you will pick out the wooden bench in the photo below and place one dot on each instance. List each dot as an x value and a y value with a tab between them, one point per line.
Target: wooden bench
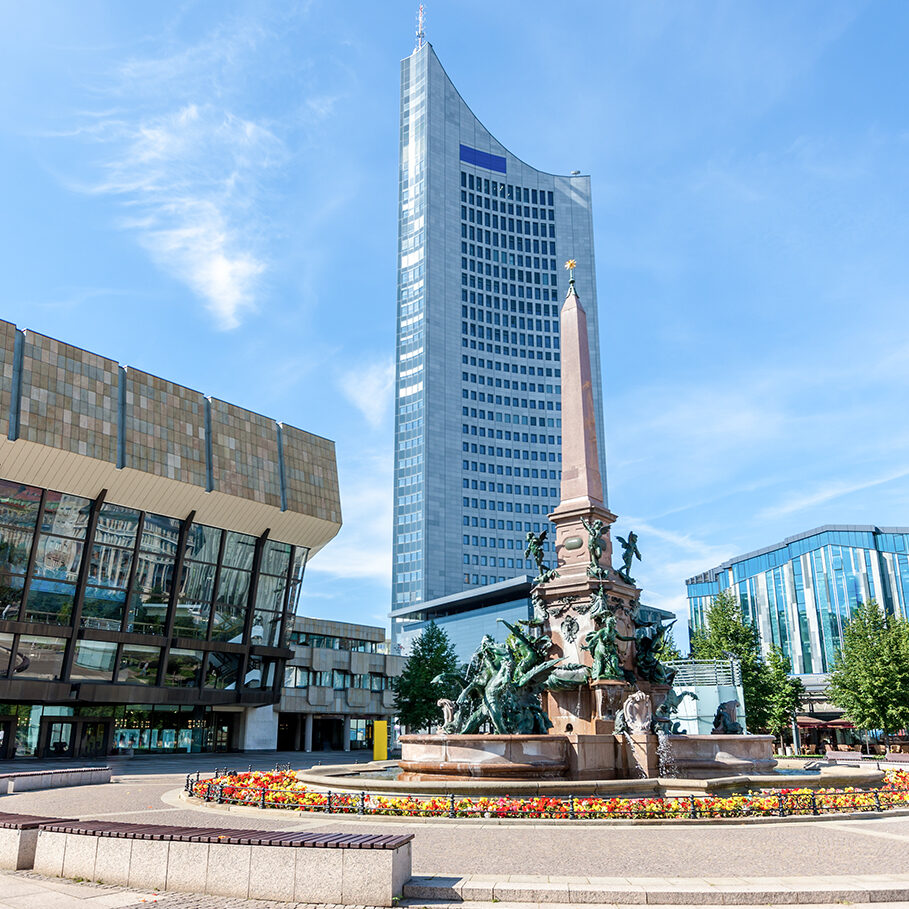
27	780
18	837
352	869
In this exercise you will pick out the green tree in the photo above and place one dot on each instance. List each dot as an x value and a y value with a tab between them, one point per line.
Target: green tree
415	693
870	678
785	693
727	634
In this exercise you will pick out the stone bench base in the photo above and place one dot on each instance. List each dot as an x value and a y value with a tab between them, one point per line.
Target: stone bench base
18	838
54	779
17	848
352	876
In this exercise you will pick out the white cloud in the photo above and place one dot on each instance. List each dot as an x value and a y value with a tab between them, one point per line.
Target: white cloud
827	493
189	180
192	169
370	389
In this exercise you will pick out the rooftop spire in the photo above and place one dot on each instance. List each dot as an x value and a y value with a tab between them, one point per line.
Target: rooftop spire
421	30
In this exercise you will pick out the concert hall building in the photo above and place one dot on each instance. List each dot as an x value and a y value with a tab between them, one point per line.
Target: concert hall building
152	545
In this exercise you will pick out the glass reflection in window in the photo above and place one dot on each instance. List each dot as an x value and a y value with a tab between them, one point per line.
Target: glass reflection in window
138	664
160	535
50	601
239	550
117	525
223	670
15	546
65	514
184	668
275	557
58	557
229	623
6	650
110	566
270	593
203	543
94	661
233	587
40	657
10	595
103	608
19	505
265	629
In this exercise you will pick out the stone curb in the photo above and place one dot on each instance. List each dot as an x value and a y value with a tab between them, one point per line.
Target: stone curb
179	795
659	891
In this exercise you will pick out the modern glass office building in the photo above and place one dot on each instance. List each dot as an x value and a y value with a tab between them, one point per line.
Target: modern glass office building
152	546
482	240
801	592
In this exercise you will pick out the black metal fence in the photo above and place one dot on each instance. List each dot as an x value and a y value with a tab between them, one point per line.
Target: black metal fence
227	787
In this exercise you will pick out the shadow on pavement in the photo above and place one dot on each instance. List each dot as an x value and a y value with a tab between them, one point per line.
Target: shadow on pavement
166	764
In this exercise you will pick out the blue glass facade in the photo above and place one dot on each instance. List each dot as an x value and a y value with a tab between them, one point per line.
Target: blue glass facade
478	377
801	592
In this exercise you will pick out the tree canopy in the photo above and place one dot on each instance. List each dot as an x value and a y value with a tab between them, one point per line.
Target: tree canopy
870	678
727	634
415	693
785	693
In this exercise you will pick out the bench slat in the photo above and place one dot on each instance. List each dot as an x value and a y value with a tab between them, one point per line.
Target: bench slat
235	836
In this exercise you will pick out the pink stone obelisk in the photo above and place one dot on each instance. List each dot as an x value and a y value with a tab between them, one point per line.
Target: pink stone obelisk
582	486
572	605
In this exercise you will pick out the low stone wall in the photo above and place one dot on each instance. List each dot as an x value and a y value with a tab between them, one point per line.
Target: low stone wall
54	779
248	864
523	757
18	838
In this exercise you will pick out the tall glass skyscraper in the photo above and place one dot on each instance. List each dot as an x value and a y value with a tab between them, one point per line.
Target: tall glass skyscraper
800	593
482	238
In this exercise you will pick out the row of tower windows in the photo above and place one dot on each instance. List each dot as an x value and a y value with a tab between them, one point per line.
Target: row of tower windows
506	191
498	505
499	221
499	366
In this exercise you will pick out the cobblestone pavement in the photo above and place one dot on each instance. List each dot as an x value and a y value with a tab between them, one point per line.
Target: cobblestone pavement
26	890
443	847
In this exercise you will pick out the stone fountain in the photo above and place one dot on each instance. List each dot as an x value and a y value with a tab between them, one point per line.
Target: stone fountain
578	692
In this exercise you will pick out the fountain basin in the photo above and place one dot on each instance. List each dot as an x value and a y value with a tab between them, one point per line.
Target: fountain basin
708	756
496	757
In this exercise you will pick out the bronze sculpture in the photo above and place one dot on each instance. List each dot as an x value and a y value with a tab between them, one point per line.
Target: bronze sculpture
630	552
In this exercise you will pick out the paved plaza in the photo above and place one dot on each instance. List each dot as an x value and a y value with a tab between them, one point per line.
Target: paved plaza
536	855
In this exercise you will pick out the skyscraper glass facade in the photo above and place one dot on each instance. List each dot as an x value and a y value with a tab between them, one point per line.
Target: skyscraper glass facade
801	592
478	376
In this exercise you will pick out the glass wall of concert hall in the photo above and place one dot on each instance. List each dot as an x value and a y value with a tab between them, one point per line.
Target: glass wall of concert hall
95	592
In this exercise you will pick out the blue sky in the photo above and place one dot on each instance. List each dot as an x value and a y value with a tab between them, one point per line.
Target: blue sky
207	191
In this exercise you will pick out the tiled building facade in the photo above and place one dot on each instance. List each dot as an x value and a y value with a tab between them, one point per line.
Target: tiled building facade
801	592
482	240
152	546
337	684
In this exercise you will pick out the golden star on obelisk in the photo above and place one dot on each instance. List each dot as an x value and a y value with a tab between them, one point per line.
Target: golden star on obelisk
571	265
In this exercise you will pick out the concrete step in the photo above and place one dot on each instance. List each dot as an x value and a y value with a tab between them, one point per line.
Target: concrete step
689	891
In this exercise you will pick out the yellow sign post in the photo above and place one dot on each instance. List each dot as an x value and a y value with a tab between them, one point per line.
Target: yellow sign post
380	740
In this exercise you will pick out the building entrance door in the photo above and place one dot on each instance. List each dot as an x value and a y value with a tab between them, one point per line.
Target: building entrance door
75	737
59	740
93	739
7	737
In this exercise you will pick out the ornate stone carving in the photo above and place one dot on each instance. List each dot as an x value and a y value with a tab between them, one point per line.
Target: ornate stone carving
637	713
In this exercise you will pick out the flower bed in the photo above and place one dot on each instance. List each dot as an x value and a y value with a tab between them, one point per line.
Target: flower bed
281	789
